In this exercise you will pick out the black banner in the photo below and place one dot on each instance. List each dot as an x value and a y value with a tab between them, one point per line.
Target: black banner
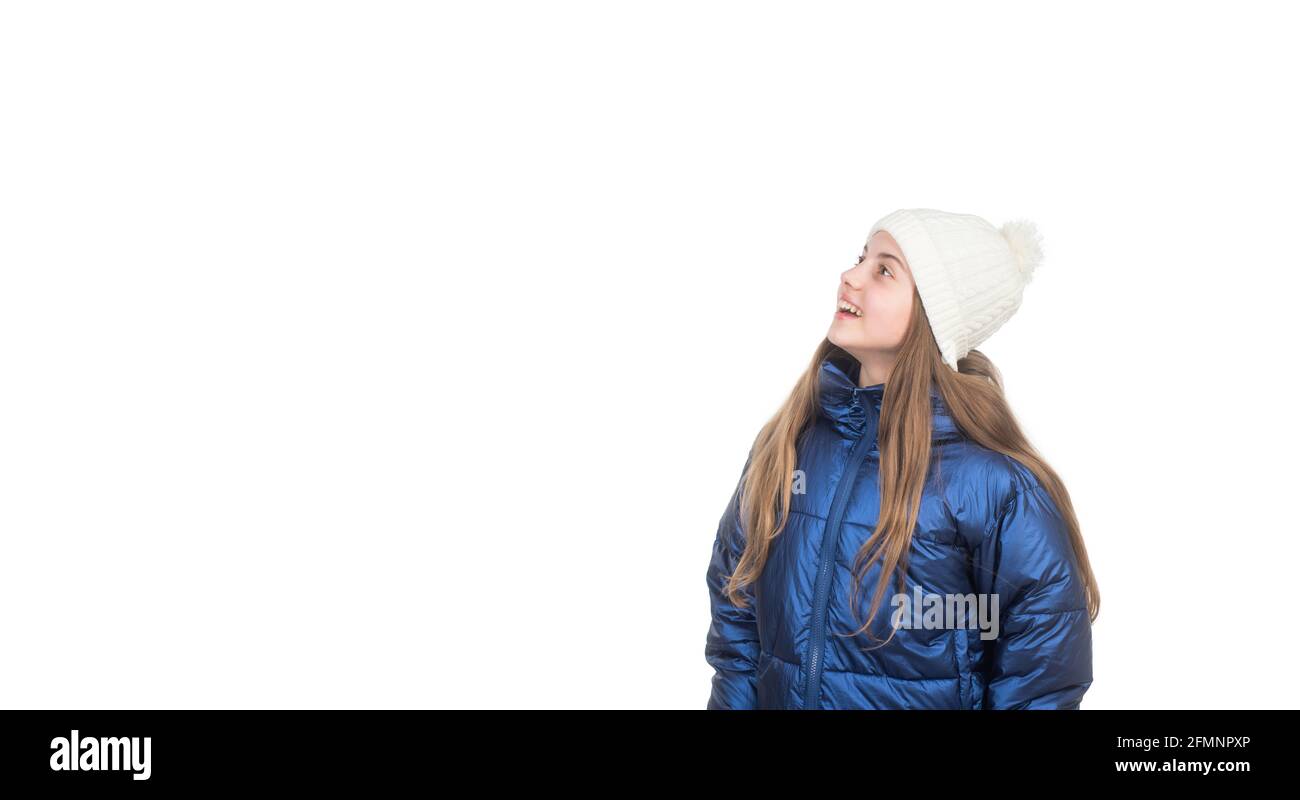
132	750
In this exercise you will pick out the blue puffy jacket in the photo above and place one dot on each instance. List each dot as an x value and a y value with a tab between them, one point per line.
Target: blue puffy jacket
985	526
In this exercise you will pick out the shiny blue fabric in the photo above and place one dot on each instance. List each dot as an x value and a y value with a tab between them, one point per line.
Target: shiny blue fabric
986	526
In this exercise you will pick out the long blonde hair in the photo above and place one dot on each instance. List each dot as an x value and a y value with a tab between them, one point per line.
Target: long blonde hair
974	399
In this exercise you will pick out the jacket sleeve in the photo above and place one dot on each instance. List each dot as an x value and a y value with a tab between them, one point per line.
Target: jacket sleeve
1042	656
732	643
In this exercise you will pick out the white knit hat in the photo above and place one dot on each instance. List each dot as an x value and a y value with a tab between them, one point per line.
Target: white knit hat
970	275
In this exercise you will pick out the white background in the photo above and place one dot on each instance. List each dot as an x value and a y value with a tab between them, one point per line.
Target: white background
406	354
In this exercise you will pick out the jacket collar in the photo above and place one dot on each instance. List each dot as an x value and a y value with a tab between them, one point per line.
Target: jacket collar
846	405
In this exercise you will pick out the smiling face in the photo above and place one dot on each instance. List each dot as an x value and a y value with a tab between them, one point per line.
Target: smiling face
878	294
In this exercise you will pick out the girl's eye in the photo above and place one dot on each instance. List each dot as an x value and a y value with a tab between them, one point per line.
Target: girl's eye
882	266
862	258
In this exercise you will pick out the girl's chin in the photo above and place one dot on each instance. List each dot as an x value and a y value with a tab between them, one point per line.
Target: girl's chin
842	335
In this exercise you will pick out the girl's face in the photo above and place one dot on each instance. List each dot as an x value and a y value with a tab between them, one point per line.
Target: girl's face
879	288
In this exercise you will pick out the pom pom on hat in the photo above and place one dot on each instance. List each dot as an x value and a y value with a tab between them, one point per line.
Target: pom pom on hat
1026	245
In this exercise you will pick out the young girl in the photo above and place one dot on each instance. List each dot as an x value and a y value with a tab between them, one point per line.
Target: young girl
896	455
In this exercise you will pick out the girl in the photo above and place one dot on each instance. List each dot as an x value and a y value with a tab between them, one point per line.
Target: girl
897	455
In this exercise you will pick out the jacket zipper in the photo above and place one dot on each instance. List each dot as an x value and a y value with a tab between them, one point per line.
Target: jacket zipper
830	544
